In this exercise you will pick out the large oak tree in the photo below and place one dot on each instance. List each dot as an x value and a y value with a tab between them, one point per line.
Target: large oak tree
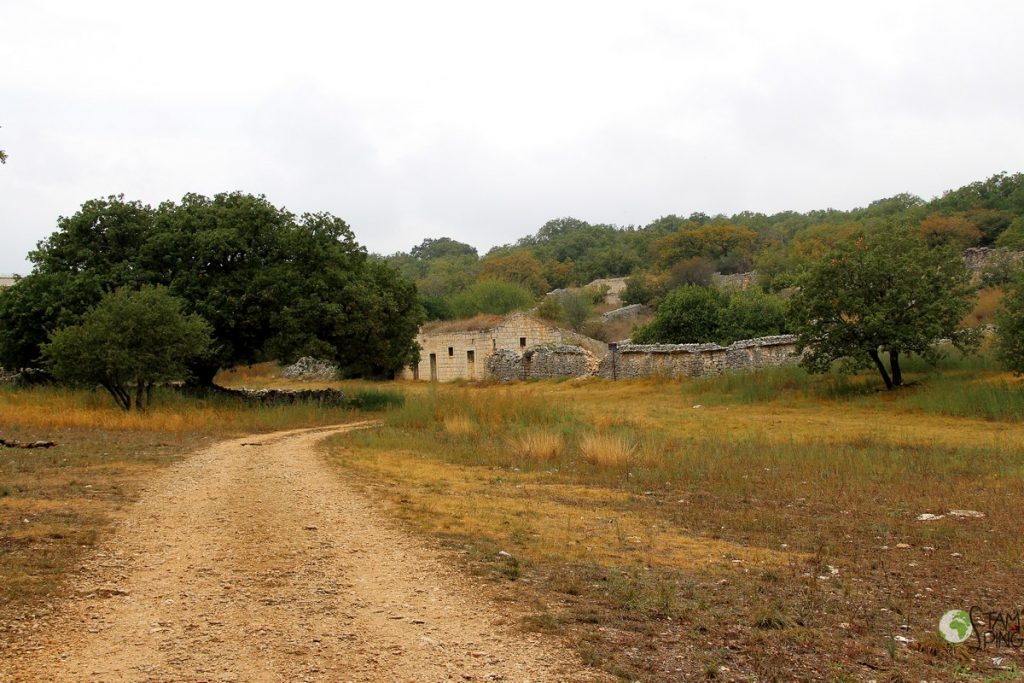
271	284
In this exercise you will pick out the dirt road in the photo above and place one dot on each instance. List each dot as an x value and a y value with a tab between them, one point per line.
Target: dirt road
257	563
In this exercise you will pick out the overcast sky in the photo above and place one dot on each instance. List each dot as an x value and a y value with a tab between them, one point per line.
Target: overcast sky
481	120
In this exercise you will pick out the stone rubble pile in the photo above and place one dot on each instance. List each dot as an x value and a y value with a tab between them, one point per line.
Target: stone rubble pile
309	368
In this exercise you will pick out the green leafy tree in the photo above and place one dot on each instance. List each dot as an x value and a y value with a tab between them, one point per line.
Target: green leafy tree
431	248
752	313
640	289
690	314
491	296
128	342
887	291
693	314
1010	326
1013	237
34	306
576	308
271	284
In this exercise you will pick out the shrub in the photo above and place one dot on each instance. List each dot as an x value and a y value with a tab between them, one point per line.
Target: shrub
491	296
751	313
535	445
689	314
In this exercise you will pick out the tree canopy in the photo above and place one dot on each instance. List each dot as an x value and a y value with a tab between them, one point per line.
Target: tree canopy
1010	326
695	314
128	342
271	284
886	291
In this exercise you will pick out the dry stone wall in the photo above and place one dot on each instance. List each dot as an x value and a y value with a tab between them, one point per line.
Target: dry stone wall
638	361
542	363
634	361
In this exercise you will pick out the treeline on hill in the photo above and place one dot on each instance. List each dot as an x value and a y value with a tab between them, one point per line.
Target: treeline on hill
219	282
672	251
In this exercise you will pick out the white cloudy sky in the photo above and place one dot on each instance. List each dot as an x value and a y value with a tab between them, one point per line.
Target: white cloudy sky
481	120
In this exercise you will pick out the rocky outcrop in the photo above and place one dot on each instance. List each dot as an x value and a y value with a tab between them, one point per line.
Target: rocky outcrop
630	312
980	259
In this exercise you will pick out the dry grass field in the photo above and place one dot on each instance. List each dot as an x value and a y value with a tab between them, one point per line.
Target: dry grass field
744	528
752	527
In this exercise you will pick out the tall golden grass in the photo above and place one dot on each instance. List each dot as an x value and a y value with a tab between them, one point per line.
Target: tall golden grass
58	408
459	425
607	450
538	445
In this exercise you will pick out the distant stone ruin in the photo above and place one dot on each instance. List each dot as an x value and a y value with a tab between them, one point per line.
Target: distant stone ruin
637	361
980	259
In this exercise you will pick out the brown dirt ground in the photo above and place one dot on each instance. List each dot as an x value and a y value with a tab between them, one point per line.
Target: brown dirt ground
252	561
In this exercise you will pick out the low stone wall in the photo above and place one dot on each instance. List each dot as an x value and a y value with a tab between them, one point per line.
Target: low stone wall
635	361
269	397
541	362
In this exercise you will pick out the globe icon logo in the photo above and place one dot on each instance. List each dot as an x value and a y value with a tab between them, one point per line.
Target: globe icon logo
955	626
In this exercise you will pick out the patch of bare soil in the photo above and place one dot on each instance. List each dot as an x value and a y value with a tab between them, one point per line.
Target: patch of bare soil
252	561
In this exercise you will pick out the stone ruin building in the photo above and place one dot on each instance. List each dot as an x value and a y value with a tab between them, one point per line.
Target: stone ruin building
521	347
462	349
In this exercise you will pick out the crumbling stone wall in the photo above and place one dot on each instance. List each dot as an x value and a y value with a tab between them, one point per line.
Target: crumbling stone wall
980	259
542	362
637	361
634	361
448	352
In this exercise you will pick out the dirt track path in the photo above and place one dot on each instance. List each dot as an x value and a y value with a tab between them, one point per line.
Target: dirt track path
256	563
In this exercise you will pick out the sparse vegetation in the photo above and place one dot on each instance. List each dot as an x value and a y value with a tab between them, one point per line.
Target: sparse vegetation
751	516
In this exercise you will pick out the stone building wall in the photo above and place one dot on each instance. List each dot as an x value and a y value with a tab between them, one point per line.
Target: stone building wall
542	362
462	349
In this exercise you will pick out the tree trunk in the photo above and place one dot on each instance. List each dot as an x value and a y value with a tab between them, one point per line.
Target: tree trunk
140	393
881	368
122	399
894	364
149	394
